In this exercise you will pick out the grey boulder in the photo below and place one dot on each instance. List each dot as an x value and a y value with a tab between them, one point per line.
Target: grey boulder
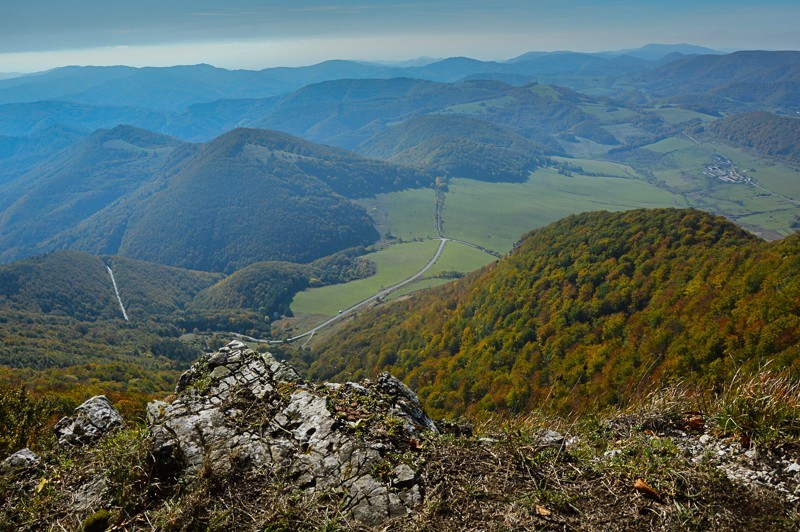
20	460
93	419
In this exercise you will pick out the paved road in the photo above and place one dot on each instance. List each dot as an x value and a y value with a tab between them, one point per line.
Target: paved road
361	304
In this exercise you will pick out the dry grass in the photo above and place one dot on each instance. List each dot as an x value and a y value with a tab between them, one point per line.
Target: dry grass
497	476
764	408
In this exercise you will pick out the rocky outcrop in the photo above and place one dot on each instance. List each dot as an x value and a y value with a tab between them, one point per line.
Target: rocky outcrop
23	459
238	409
92	419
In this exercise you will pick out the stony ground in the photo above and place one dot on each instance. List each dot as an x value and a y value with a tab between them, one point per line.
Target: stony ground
246	444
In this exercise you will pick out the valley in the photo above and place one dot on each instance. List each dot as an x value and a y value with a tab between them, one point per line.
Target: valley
584	266
351	189
476	214
399	266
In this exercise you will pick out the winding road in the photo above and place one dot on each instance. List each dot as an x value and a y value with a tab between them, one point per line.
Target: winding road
383	293
365	302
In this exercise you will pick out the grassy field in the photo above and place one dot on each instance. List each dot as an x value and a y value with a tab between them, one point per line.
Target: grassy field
394	264
407	214
584	148
674	144
623	131
604	168
495	215
675	115
481	107
681	169
458	257
606	113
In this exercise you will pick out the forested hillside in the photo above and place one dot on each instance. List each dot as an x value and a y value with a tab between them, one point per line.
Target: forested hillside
79	182
268	287
67	283
459	146
766	133
245	197
20	154
589	311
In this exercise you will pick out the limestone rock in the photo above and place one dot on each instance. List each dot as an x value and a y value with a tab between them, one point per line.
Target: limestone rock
20	460
549	438
404	476
238	409
406	401
92	419
89	495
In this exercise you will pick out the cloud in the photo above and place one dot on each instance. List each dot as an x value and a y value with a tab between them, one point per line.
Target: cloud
494	28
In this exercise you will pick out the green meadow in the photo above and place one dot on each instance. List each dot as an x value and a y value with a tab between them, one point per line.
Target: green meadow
603	168
496	215
681	167
407	214
394	263
458	257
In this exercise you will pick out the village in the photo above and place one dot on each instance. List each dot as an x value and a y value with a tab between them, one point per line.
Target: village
723	169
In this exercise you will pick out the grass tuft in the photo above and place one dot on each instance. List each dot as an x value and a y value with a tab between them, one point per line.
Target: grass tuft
764	408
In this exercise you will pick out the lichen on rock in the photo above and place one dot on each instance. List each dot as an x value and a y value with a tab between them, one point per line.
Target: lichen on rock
93	419
238	409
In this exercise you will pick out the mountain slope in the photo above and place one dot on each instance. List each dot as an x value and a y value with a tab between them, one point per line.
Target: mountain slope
150	291
268	287
347	112
748	78
245	197
591	310
77	285
22	119
68	283
766	133
73	186
18	154
459	146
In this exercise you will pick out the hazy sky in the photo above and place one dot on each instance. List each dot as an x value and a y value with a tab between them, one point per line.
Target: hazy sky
41	34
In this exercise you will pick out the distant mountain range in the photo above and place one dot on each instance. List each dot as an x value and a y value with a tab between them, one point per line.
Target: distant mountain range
176	88
184	170
200	102
658	52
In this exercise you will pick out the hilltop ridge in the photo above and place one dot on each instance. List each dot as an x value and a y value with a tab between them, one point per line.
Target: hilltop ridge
586	313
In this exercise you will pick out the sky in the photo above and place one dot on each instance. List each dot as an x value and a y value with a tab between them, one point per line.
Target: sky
37	35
